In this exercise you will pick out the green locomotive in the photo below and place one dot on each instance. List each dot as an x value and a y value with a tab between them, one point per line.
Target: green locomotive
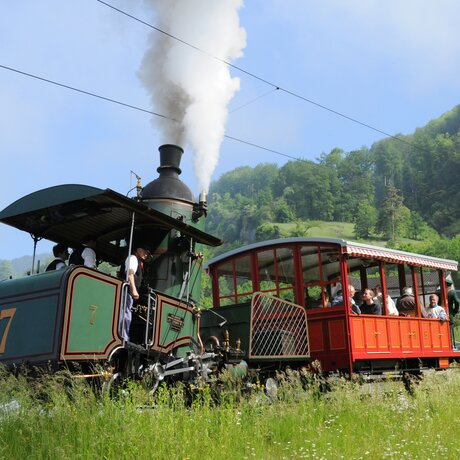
72	317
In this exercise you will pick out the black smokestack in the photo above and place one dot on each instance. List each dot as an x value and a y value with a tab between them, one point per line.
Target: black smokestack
170	156
168	184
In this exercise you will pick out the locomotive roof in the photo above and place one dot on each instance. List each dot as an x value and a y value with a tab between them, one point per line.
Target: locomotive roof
347	247
69	213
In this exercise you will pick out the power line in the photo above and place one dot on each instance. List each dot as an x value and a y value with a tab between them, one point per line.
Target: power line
140	109
263	80
253	100
88	93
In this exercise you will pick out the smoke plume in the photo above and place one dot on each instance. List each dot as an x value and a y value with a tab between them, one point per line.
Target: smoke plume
187	85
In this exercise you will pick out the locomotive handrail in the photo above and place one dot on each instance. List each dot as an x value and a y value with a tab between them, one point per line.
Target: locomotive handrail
123	306
151	308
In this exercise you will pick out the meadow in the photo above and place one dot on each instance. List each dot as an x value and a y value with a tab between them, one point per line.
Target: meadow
53	417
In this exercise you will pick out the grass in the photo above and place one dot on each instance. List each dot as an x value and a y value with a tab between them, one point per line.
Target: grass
52	420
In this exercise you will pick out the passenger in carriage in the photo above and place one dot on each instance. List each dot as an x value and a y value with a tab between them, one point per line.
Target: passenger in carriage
378	299
452	299
354	307
369	307
434	310
406	302
453	303
338	299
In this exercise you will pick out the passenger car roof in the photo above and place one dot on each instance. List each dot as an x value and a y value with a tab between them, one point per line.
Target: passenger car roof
349	248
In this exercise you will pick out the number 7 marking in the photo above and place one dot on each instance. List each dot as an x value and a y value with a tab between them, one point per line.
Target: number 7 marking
8	313
92	318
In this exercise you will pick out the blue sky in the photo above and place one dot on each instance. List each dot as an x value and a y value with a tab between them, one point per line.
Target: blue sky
391	64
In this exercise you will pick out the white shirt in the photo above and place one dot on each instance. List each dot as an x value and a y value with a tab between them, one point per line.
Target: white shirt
436	312
131	263
89	257
392	310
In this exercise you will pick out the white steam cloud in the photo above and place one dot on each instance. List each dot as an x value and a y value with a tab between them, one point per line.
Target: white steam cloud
188	85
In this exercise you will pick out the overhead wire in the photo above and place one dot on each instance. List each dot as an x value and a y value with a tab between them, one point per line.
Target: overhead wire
88	93
274	86
140	109
261	79
253	100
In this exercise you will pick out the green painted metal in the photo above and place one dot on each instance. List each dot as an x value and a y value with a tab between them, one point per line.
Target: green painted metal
177	325
169	260
238	321
49	197
91	315
31	311
77	306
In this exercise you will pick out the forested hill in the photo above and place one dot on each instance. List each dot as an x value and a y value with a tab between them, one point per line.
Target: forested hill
399	188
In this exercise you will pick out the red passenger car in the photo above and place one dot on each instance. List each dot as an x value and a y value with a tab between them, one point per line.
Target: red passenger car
314	276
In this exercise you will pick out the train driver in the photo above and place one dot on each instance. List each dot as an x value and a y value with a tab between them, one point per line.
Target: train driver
134	267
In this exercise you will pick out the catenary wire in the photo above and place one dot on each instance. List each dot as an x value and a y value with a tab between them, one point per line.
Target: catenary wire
140	109
240	69
253	100
62	85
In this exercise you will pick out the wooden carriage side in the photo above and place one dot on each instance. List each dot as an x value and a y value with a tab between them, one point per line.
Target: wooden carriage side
313	273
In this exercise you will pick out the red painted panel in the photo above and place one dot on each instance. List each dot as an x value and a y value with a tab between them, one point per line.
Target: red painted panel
395	334
435	335
415	339
426	334
357	333
380	327
444	330
440	335
370	334
404	326
337	339
316	336
443	362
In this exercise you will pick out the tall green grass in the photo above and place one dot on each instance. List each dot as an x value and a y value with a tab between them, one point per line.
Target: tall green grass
55	418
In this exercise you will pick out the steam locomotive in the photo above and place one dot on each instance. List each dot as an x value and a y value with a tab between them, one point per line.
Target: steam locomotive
74	317
270	307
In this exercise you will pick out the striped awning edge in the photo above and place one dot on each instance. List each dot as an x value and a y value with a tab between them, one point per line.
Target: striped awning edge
389	255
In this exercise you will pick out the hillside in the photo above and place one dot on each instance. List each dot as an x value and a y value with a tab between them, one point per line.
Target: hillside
401	191
20	266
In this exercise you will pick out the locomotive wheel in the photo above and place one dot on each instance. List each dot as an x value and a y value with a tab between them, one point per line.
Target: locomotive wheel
113	385
154	387
154	377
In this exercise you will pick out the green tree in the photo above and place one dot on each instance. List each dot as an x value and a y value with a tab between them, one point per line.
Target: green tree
6	270
357	177
300	229
365	220
268	232
389	212
283	213
416	225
